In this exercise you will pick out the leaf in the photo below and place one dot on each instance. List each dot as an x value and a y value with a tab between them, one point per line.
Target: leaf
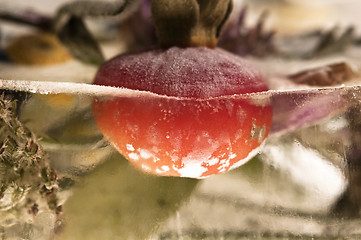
94	8
306	105
75	36
72	31
248	40
332	41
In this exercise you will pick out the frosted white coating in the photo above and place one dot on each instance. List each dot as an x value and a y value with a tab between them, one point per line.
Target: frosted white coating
133	156
45	87
182	72
193	165
192	168
130	147
145	154
296	160
146	167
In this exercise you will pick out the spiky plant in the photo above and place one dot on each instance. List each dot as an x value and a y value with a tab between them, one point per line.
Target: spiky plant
25	174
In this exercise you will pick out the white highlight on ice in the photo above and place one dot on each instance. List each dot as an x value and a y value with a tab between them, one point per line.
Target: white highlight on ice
145	167
162	169
307	167
130	147
213	161
145	153
165	168
133	156
51	87
192	168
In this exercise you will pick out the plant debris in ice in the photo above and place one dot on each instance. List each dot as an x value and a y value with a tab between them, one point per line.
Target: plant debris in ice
27	182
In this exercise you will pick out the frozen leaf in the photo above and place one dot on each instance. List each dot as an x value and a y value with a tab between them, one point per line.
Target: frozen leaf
308	104
295	109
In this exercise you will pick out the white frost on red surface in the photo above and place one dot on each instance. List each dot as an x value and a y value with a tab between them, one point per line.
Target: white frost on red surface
133	156
145	154
192	168
130	147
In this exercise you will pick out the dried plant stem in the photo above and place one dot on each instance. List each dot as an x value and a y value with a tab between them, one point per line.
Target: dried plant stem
27	17
24	167
187	23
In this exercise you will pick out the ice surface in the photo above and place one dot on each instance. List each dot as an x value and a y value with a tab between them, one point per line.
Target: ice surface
323	178
51	87
46	87
292	107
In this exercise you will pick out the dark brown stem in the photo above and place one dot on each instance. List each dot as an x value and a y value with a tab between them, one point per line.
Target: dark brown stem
187	23
27	17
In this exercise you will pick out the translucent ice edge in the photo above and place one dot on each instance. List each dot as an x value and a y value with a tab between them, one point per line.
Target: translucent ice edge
47	87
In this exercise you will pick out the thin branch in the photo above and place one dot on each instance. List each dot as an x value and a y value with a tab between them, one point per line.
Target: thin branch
71	30
27	17
94	8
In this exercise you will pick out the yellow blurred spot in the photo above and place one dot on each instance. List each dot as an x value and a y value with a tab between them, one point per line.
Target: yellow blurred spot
37	49
58	100
295	17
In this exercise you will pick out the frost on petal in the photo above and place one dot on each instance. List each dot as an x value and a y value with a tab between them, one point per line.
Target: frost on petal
299	108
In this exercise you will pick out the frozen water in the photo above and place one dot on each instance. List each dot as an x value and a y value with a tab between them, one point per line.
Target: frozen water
322	177
50	87
296	186
308	170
